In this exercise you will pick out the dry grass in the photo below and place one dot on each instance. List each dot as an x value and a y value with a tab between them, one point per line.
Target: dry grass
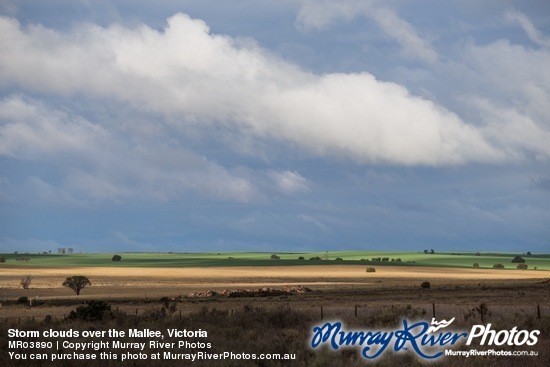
152	283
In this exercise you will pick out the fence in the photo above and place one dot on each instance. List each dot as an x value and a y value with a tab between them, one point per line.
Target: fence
478	312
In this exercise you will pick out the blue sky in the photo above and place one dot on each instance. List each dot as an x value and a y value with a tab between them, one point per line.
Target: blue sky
274	125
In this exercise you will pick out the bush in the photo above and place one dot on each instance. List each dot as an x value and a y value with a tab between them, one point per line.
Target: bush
116	258
23	299
26	282
2	259
275	257
93	311
522	266
371	270
301	258
498	266
315	258
476	265
425	285
518	259
338	259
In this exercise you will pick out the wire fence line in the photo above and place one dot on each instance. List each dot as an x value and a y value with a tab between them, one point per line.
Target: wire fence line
480	312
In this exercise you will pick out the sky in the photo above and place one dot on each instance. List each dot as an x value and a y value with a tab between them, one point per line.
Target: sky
255	125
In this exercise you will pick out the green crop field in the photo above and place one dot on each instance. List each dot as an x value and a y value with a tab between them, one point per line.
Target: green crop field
182	260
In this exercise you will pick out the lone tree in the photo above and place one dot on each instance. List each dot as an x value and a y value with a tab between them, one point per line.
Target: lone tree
518	259
76	283
117	258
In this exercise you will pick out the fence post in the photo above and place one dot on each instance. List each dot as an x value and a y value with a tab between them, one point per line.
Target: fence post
321	312
433	309
355	310
538	312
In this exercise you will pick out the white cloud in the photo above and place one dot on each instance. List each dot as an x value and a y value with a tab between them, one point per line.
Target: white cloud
514	131
289	181
30	130
99	164
320	14
526	24
191	76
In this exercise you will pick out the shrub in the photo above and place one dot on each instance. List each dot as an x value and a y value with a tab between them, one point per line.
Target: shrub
371	270
2	259
385	259
518	259
315	258
275	257
425	285
116	258
26	281
398	260
338	259
522	266
498	266
476	265
301	258
23	299
93	311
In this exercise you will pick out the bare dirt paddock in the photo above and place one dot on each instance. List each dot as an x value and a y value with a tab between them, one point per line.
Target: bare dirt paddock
138	289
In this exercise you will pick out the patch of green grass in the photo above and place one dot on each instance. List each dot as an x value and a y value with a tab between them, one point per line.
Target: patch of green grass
221	259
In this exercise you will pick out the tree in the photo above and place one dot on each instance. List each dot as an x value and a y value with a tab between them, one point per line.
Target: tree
518	259
70	250
76	283
116	258
425	251
432	251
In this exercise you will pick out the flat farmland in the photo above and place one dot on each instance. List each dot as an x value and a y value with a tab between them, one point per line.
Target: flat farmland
140	280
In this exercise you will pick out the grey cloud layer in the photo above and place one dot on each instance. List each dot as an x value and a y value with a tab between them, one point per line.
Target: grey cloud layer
194	77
